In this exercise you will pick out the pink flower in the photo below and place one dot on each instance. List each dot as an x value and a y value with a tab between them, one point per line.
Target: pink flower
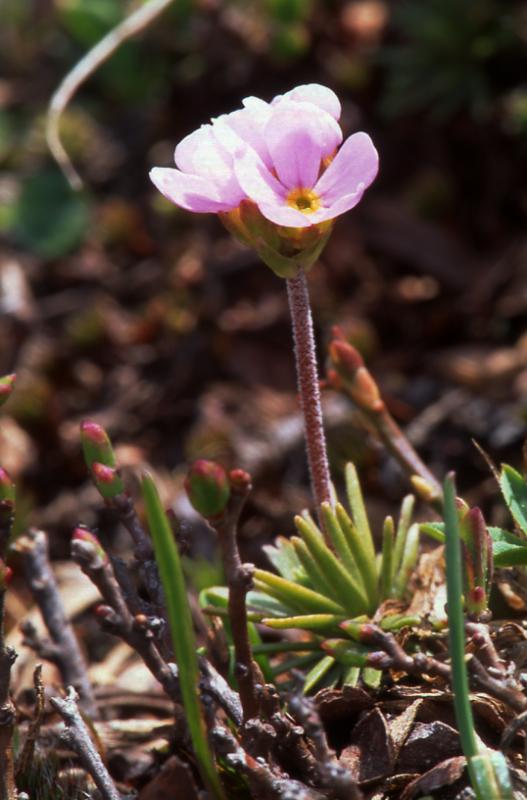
279	155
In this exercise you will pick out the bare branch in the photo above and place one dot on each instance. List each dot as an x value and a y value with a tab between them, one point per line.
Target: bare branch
66	653
76	736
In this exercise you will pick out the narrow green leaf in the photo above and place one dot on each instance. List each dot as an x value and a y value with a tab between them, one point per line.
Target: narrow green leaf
351	595
296	597
514	490
351	654
456	624
372	677
315	575
358	509
284	559
361	552
286	647
298	662
394	622
180	619
489	776
403	526
387	561
261	657
327	624
317	672
339	541
508	549
351	676
408	561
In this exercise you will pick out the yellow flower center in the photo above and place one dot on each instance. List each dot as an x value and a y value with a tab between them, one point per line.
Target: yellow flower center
304	200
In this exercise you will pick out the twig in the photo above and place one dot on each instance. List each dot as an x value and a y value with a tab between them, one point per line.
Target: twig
330	773
215	685
508	694
359	384
133	24
23	762
65	653
76	736
265	784
485	648
239	581
392	656
116	617
308	386
7	726
124	507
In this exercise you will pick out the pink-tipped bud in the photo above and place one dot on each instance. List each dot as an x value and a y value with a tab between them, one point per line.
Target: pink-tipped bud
348	365
7	499
96	446
104	612
240	481
88	542
207	487
6	574
345	358
7	383
107	480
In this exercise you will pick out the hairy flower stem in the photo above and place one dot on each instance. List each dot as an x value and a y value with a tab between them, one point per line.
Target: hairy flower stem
308	386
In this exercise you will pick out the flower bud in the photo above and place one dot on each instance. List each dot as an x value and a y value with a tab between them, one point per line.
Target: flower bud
5	575
7	383
240	481
107	480
86	541
7	499
96	445
207	487
356	379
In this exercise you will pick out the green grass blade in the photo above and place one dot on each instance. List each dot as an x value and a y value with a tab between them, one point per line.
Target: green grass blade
351	595
358	509
456	624
387	560
180	619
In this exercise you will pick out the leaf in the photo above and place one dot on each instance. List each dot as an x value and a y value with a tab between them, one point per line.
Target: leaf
514	490
316	674
298	598
508	549
351	595
358	509
284	558
51	219
181	628
326	624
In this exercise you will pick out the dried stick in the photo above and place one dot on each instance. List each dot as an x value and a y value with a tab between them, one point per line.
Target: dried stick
133	24
350	374
76	737
7	726
64	648
124	507
23	762
239	580
265	784
308	386
115	616
7	654
392	656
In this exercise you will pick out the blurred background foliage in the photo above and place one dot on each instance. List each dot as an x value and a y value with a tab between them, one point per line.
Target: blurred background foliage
116	305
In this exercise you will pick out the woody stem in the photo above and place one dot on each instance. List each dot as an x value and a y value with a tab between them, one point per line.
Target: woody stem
308	386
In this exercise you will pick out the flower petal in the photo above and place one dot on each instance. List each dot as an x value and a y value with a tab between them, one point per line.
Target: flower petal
314	93
191	192
200	153
245	126
356	163
299	135
285	215
256	180
339	207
